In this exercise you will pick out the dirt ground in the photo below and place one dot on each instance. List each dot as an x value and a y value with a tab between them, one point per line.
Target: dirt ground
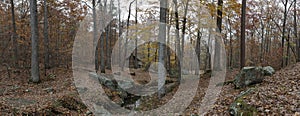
56	94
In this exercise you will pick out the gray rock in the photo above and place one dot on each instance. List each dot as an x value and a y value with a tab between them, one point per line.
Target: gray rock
100	111
103	79
125	84
249	76
268	71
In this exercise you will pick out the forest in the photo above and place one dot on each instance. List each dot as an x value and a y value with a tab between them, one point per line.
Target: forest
151	57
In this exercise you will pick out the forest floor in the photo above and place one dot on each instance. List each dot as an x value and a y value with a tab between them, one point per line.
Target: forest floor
56	94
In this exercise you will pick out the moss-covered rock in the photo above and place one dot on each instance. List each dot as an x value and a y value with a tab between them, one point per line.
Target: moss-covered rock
240	108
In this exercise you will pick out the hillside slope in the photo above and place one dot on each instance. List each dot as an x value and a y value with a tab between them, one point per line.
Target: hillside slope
277	95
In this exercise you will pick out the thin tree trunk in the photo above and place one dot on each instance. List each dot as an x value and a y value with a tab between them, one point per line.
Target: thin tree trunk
287	49
230	44
120	33
183	29
177	40
262	41
46	35
283	31
243	36
136	38
14	34
127	33
107	35
169	17
35	77
296	32
198	50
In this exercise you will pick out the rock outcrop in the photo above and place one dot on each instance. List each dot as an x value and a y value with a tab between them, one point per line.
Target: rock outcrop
252	75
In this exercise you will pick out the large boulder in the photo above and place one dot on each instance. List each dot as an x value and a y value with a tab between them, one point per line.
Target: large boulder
268	71
252	75
249	76
123	88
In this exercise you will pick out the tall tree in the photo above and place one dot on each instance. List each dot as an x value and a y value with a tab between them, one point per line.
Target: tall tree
35	77
198	48
127	33
95	43
183	28
230	44
46	35
14	34
136	38
107	31
162	41
169	18
243	34
296	31
178	50
217	58
285	13
102	22
120	33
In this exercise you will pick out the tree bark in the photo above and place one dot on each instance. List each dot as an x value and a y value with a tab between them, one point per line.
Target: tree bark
243	36
287	49
136	38
283	31
178	50
14	34
127	33
217	58
183	29
46	36
95	43
162	41
296	31
102	22
35	77
120	33
198	49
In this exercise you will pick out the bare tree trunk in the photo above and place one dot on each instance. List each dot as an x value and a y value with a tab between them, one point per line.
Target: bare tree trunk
95	43
243	36
107	37
107	46
120	33
262	41
198	50
230	44
35	77
296	32
217	58
126	40
178	54
183	29
136	38
162	41
102	21
208	54
46	35
14	35
287	58
169	17
283	30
